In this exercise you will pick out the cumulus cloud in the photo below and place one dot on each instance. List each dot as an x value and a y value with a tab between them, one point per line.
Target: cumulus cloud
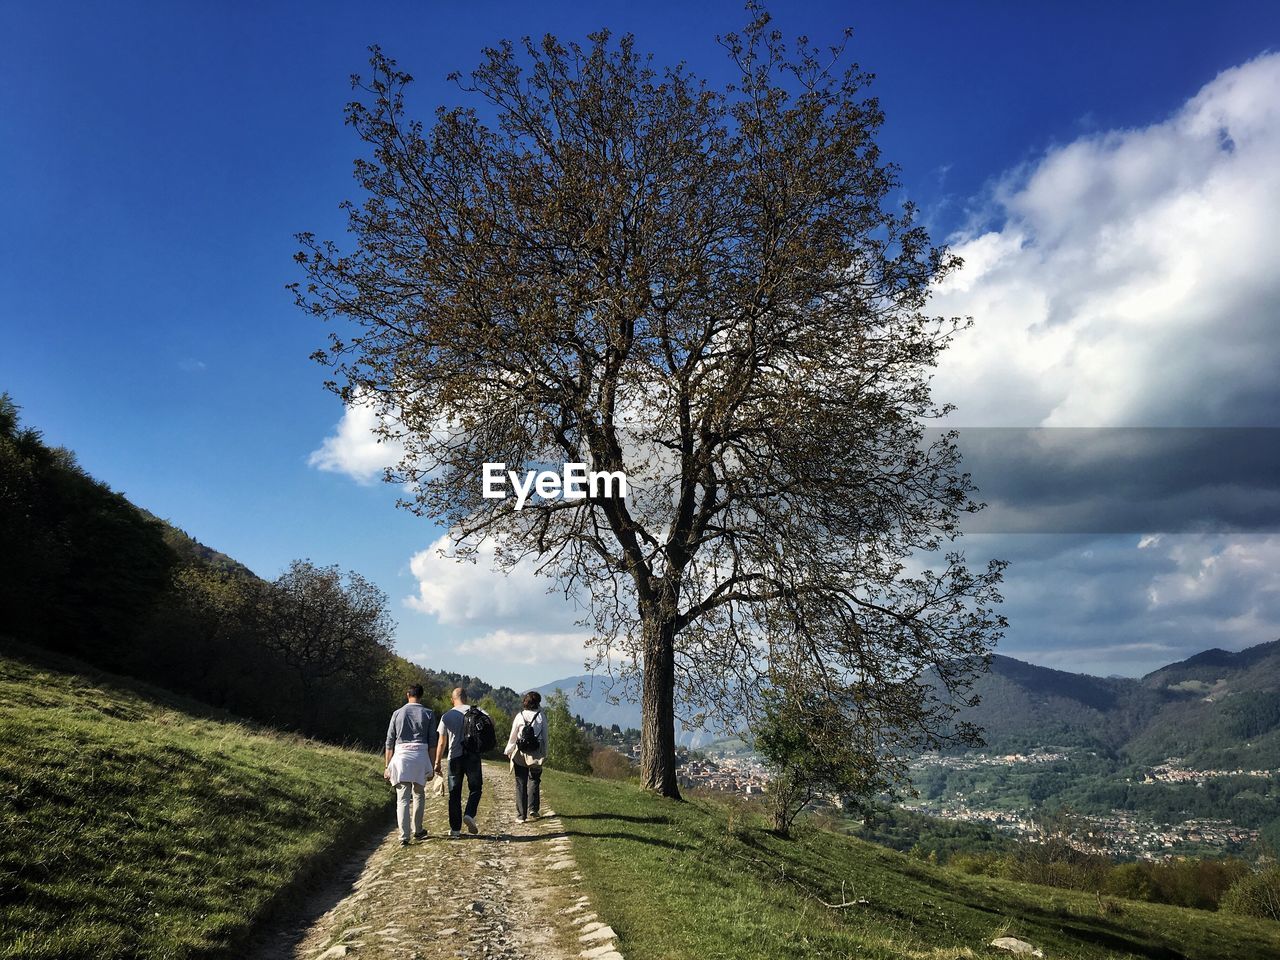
461	593
1131	280
529	647
1129	604
354	448
1126	280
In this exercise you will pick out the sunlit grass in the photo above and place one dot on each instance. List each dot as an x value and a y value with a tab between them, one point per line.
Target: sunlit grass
701	880
137	825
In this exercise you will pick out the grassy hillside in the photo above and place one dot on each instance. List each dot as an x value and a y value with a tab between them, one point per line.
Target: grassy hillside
138	824
702	880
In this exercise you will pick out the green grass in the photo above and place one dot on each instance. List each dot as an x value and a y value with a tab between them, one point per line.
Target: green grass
137	824
704	880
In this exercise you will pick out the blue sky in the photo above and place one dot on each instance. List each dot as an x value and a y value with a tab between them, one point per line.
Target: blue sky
156	160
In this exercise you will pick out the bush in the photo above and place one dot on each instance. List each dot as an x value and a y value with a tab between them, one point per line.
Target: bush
568	747
1131	881
1255	895
611	765
979	864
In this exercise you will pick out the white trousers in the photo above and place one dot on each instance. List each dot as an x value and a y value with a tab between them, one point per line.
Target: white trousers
410	799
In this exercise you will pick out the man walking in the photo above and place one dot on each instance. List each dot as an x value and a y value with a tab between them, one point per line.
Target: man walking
465	733
411	736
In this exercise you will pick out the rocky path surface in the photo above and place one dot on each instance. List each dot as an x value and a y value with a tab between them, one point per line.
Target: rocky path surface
512	892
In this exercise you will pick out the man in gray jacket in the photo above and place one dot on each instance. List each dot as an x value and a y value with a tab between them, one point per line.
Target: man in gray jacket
411	738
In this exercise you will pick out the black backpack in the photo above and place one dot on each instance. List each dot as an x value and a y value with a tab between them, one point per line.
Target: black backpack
527	741
478	735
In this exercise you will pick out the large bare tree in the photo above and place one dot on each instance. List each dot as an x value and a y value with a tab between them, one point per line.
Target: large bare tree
714	291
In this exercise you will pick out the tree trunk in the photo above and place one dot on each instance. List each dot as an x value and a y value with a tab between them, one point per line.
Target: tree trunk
658	705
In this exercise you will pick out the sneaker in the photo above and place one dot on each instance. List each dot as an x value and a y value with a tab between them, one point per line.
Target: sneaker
420	835
519	819
471	824
404	843
455	834
534	814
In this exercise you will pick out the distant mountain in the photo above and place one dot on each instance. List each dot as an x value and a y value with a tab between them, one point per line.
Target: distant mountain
590	697
1216	709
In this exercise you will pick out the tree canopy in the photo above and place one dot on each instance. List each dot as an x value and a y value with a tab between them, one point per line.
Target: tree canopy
714	291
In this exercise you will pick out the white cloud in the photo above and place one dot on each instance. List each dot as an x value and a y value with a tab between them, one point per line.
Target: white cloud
460	593
529	647
1229	580
1133	280
498	619
354	448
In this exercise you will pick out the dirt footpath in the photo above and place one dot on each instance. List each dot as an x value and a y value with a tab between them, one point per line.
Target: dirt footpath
512	892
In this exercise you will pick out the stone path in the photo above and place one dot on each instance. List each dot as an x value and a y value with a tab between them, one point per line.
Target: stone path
513	892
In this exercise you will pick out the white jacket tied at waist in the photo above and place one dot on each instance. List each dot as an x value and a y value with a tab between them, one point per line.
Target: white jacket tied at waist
411	763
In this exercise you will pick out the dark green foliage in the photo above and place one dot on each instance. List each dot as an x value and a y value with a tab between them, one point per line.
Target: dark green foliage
501	726
80	566
506	698
811	749
1198	883
1216	709
928	837
84	572
568	747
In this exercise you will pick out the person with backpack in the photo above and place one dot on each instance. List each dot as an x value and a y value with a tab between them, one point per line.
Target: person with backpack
466	732
527	749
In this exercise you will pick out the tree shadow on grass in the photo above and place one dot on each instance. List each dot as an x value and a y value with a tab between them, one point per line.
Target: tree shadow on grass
665	821
1098	931
638	838
525	837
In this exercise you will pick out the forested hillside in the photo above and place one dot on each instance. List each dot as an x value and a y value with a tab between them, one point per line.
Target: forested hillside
1218	709
87	573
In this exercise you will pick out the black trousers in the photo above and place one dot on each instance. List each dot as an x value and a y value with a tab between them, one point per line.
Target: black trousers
467	765
528	783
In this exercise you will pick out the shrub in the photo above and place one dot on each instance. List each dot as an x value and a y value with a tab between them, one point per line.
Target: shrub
1130	880
978	864
1255	895
611	765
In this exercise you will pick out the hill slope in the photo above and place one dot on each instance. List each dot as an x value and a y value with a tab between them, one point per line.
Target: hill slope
704	880
1217	709
139	824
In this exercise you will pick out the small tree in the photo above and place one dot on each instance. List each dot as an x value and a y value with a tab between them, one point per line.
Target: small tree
812	751
324	625
568	747
1255	895
501	724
